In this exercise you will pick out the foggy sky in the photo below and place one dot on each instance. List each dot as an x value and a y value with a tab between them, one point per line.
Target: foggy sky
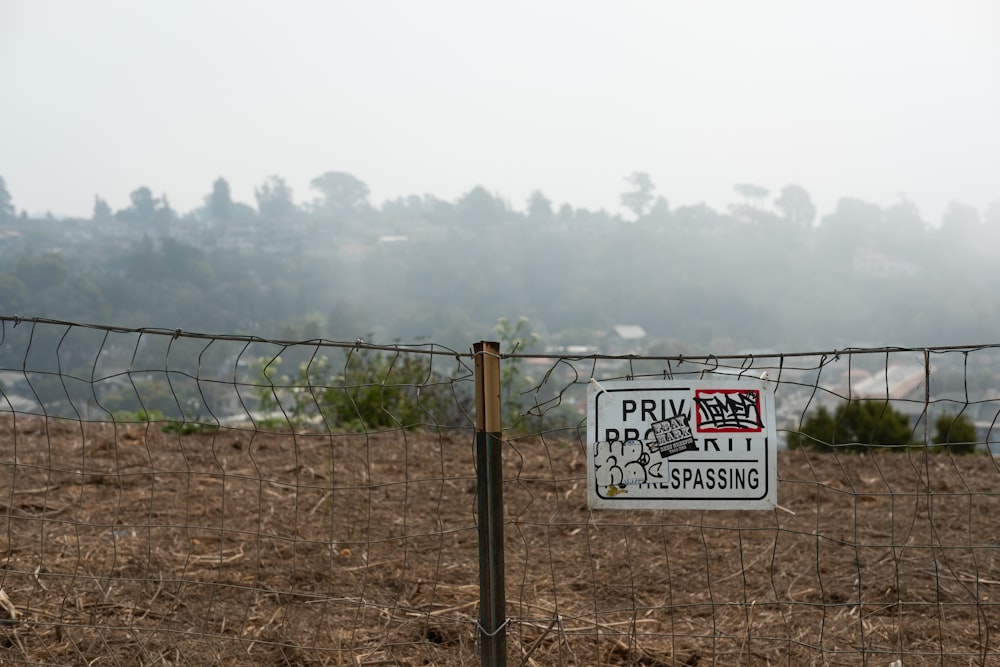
870	100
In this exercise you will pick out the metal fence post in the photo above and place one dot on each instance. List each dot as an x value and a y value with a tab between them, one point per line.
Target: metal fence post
489	491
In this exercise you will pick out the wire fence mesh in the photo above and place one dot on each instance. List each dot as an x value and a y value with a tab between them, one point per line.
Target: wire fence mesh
172	498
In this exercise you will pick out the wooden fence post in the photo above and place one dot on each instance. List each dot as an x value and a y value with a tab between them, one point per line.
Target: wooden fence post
489	490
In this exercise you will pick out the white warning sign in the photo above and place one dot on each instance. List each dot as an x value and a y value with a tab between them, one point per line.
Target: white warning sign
672	444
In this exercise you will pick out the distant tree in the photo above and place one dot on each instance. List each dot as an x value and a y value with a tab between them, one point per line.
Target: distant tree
903	228
796	206
592	220
79	297
855	213
274	199
750	209
539	206
960	219
6	203
165	213
853	223
102	211
179	259
14	296
148	210
341	193
699	218
992	215
955	434
752	193
143	204
855	426
903	218
220	202
40	272
479	207
439	210
660	212
641	196
410	207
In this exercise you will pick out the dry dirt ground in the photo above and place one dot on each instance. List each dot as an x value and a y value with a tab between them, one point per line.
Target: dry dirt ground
125	545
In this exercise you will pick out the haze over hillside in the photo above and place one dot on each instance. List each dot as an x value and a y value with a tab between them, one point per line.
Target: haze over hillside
723	175
767	272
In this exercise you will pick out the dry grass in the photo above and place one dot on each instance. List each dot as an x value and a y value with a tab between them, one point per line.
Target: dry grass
129	546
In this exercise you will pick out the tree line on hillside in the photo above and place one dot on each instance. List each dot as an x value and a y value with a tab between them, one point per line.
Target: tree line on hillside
767	272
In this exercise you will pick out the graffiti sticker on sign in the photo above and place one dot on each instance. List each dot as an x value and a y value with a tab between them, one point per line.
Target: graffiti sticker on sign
696	444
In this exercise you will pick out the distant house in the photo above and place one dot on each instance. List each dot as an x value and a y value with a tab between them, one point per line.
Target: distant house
896	382
901	384
626	339
13	387
873	263
352	250
18	403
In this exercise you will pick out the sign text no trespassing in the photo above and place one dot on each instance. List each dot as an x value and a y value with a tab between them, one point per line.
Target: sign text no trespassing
698	444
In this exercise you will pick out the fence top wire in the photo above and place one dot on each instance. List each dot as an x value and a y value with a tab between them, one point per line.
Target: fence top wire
438	349
358	344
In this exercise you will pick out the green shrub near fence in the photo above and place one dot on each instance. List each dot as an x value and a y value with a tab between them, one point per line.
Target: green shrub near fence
373	390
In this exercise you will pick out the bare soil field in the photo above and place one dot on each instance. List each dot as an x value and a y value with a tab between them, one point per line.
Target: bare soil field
122	544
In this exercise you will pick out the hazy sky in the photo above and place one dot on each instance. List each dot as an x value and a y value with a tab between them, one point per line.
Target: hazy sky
858	98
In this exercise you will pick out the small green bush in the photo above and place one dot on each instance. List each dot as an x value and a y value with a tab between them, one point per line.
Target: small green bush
376	390
854	426
955	434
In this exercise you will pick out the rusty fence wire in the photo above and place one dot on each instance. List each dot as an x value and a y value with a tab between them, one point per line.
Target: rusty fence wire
174	498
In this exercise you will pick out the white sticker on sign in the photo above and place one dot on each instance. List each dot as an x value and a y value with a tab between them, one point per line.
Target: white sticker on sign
672	444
